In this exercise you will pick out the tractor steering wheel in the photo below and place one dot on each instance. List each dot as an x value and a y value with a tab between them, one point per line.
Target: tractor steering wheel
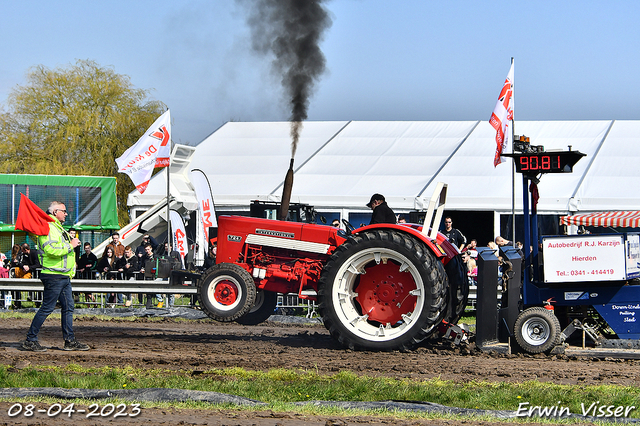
348	226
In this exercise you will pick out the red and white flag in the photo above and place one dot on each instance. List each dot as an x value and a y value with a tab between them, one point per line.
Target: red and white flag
501	116
152	150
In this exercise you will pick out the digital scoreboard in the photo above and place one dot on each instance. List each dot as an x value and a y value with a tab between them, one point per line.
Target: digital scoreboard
545	162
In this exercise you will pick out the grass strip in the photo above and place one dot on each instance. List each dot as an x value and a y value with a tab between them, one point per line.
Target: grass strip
284	387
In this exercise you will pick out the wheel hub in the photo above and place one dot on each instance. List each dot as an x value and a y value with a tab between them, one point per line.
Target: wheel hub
536	332
384	293
226	293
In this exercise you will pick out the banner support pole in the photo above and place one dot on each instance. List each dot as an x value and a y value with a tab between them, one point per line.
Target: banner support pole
169	203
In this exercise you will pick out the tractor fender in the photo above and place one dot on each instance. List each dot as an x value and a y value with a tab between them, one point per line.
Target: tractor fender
441	247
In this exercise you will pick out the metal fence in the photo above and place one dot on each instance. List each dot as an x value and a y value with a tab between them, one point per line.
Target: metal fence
96	293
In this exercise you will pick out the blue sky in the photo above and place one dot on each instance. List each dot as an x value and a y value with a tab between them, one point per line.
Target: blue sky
386	59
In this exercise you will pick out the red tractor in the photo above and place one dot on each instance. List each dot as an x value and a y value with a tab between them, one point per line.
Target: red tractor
379	287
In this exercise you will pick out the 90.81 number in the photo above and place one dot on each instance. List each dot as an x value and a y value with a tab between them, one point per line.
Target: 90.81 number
544	162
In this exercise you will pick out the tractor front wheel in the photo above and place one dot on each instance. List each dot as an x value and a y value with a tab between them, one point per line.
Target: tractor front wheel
226	292
537	330
382	290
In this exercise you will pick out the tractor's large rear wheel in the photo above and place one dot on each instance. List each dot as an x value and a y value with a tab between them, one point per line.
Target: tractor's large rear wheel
226	292
382	290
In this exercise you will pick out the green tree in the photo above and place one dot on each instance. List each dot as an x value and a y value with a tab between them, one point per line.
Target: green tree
75	121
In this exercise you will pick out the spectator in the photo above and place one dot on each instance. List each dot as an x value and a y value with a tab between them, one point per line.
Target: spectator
26	262
86	266
73	234
465	258
144	265
106	265
501	242
28	266
455	237
128	266
211	258
472	271
472	248
335	223
106	262
87	263
401	219
146	239
162	250
382	213
118	248
13	266
4	271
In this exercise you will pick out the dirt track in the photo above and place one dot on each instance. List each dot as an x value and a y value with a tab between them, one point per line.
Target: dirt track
203	344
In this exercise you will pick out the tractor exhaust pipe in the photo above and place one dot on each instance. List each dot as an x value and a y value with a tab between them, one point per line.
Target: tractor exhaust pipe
286	193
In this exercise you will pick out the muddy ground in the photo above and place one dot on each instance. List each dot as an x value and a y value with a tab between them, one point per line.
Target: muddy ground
203	344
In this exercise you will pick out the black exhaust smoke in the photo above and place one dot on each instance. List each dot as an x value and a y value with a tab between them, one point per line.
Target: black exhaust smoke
291	31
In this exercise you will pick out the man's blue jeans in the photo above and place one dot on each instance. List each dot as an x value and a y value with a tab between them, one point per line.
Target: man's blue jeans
56	288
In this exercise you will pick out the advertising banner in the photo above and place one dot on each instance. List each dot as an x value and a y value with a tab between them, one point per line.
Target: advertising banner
633	255
179	235
584	258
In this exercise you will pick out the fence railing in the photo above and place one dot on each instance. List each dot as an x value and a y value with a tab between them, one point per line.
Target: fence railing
13	290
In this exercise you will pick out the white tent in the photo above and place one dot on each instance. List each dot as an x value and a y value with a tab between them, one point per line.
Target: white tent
338	165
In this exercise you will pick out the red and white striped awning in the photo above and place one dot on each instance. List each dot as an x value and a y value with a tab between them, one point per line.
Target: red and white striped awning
619	219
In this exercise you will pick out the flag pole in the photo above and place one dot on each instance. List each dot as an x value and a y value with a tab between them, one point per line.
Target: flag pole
169	202
513	161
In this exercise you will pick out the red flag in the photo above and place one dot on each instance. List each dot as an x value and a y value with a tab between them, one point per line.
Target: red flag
31	218
535	195
502	114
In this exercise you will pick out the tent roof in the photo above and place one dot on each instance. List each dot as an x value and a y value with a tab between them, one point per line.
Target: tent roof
340	164
618	219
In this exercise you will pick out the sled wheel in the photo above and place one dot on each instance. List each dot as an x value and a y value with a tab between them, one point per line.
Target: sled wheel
458	289
262	309
537	330
382	290
226	292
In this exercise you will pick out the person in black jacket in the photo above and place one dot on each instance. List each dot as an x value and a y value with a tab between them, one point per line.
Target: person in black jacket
128	266
455	237
382	213
87	263
86	267
73	234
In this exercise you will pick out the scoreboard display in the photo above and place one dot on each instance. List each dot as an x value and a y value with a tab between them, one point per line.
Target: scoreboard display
545	162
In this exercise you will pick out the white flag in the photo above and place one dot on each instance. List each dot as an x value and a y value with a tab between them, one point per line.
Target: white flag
179	235
206	208
502	114
205	200
152	150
